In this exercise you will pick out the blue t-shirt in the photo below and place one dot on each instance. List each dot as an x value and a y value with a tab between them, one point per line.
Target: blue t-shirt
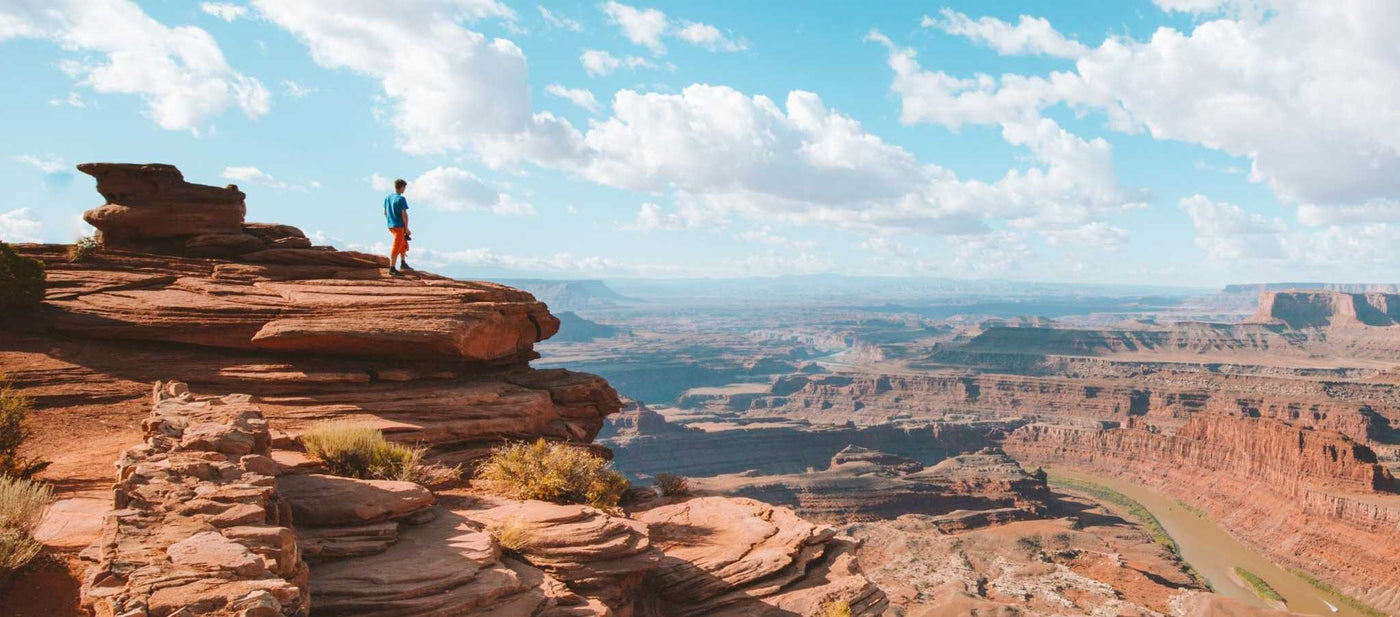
394	206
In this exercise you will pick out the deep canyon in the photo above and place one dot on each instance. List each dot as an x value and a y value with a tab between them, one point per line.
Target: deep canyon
886	454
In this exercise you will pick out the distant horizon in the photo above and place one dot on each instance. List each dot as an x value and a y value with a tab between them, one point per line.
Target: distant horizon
1174	143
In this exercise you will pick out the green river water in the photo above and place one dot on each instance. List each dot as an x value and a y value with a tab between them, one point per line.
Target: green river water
1214	553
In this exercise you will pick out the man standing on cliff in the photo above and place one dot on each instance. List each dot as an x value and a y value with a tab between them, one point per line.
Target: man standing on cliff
396	213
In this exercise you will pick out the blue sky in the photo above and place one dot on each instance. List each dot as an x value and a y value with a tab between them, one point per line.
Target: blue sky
1191	142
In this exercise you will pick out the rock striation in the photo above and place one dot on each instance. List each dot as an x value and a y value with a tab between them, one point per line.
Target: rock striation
196	519
865	485
731	557
646	443
593	553
1326	309
314	332
1284	457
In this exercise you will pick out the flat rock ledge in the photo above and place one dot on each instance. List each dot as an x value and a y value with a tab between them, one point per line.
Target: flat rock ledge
197	526
739	557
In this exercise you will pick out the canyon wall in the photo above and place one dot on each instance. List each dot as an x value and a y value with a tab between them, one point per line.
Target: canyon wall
645	444
1326	309
1167	393
1313	500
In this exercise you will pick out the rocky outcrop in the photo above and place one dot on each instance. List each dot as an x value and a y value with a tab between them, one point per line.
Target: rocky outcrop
152	208
303	304
726	556
196	519
646	444
1326	309
1057	566
866	485
600	556
317	332
209	519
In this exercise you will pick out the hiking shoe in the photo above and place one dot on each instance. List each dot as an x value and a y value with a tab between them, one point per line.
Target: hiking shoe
393	271
405	267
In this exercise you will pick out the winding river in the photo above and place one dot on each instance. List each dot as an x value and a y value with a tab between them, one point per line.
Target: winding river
1215	554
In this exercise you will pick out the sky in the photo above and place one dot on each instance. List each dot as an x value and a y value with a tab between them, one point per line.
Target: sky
1174	142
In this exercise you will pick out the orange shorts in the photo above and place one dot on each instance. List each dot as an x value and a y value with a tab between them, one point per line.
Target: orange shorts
400	241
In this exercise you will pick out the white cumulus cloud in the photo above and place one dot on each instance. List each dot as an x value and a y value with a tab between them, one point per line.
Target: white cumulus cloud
1030	35
600	63
453	189
709	37
646	27
19	225
449	88
224	10
641	26
179	71
1303	90
578	96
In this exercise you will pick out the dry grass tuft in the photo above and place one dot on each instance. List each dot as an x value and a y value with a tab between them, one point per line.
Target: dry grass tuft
22	505
358	450
835	609
513	535
552	472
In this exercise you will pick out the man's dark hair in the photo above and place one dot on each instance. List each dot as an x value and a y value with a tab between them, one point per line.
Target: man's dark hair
400	183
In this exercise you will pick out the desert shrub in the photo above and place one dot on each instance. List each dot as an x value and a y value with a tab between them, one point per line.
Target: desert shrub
671	485
1261	587
21	281
552	472
84	248
14	412
513	535
22	504
835	609
358	450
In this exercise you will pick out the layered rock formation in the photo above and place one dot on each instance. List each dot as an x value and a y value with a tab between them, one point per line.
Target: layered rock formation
428	359
1310	499
864	485
1056	566
209	519
1326	309
196	519
152	207
647	444
728	556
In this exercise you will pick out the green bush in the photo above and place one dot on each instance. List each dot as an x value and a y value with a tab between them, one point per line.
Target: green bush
84	248
552	472
1261	586
22	505
671	485
14	412
358	450
21	281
